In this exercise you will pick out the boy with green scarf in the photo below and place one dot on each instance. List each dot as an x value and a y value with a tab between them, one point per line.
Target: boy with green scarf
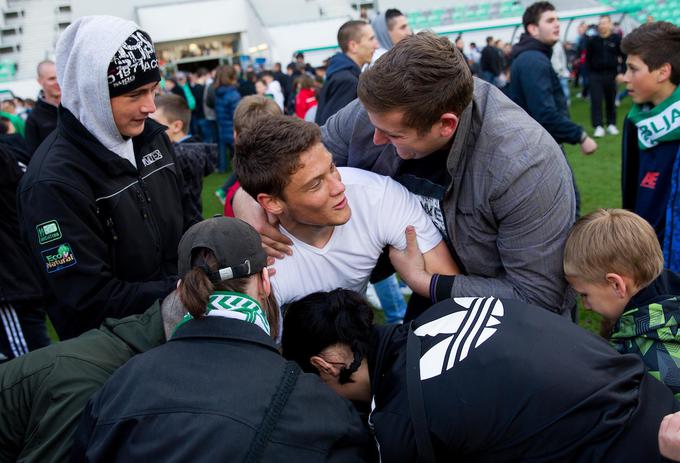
651	138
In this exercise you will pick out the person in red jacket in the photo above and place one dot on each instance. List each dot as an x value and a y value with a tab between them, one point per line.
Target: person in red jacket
306	96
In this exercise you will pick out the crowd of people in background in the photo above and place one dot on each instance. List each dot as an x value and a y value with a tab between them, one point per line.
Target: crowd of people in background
248	337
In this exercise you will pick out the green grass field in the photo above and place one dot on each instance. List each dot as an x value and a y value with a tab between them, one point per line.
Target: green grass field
597	177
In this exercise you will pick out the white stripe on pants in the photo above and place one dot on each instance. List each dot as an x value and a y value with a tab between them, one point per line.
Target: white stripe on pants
15	335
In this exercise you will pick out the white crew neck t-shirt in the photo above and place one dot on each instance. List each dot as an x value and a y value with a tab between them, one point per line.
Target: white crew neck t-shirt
381	211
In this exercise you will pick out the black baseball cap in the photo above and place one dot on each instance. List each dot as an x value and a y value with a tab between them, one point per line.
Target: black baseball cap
236	245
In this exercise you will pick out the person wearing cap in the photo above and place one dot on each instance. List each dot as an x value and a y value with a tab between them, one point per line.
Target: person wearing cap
219	390
481	379
102	205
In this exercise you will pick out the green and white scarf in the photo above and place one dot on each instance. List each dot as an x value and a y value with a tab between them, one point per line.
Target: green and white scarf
658	124
233	305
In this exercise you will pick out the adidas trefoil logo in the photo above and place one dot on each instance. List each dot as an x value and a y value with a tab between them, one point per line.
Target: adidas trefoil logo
466	327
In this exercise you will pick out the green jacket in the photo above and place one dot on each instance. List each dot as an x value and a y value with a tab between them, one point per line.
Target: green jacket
43	393
649	327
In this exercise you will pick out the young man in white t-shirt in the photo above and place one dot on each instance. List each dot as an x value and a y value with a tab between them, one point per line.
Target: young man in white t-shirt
339	220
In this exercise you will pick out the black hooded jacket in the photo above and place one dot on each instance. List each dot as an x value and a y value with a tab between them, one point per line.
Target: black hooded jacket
340	88
535	87
40	123
19	280
506	381
102	232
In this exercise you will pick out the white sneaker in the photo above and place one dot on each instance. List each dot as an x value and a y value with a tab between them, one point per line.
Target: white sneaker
599	132
612	130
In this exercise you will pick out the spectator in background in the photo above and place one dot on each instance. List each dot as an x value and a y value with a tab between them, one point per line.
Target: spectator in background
301	65
603	56
9	106
10	139
273	88
357	42
226	99
490	64
196	159
474	56
183	89
246	85
209	125
305	98
390	28
559	64
504	63
43	118
284	83
460	45
22	317
198	90
582	69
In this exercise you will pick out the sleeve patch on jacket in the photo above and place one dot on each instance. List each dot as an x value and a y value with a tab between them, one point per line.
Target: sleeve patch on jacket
48	231
58	258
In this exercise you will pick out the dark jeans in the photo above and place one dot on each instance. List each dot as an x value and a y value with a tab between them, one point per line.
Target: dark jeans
224	150
208	130
602	85
22	330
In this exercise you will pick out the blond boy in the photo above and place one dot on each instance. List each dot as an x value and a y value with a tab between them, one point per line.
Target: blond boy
613	259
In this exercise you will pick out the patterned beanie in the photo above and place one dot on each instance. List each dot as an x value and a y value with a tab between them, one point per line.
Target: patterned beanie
133	65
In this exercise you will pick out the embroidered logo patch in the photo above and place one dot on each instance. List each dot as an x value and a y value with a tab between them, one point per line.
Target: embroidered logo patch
48	231
152	157
58	258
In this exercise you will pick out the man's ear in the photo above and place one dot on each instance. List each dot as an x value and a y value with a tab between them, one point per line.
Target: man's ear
177	126
270	204
664	73
449	124
618	284
532	29
325	369
266	282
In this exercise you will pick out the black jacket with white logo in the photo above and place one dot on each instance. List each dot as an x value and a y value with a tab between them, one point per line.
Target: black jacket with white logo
505	381
103	233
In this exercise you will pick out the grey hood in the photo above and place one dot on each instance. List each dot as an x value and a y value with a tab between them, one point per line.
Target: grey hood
84	52
381	33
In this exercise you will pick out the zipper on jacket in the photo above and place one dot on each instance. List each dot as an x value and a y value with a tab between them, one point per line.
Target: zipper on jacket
146	201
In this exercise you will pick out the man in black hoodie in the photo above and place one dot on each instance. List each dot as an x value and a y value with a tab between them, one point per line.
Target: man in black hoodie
43	119
357	42
534	84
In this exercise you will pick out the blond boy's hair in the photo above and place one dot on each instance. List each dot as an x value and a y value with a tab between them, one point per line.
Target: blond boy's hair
252	108
613	241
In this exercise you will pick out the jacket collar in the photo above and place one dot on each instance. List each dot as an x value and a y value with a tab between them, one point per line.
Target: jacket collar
71	128
665	286
466	132
139	332
225	329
